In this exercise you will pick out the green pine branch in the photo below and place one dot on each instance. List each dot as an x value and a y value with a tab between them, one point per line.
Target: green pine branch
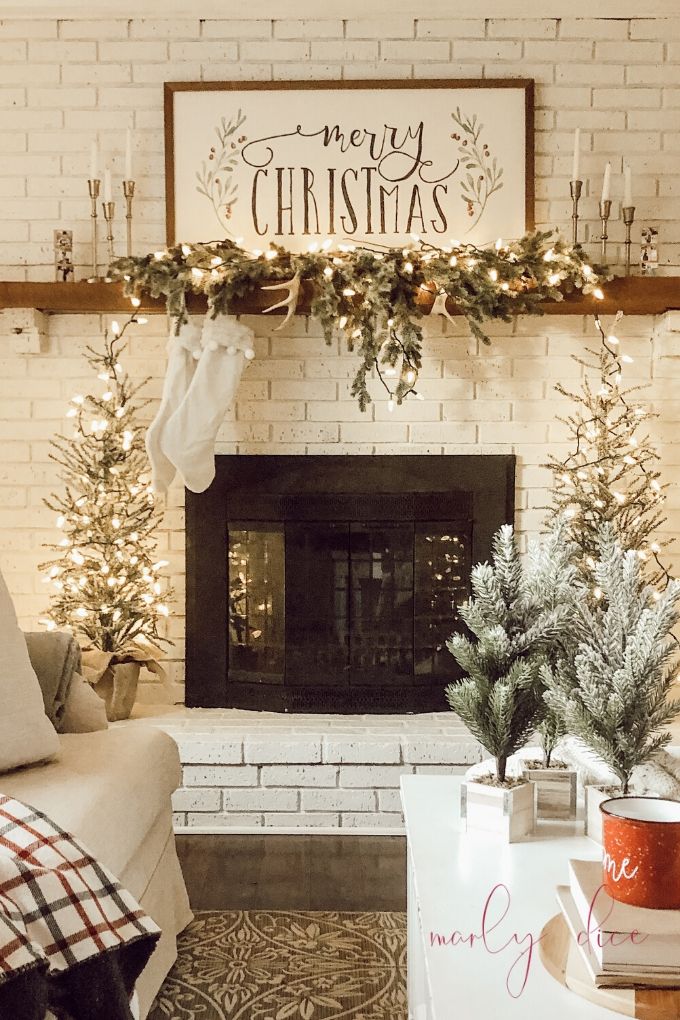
377	297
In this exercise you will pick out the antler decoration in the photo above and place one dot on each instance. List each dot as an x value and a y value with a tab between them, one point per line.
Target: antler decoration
439	306
289	302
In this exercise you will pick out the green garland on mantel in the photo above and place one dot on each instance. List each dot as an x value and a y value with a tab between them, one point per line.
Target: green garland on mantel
377	297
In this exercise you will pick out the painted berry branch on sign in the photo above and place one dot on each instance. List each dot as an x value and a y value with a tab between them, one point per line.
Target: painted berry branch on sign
216	181
476	187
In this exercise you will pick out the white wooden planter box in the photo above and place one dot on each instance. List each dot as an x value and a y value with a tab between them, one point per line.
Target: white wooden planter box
511	813
594	796
555	792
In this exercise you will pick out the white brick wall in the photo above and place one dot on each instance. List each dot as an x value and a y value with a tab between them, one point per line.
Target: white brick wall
619	79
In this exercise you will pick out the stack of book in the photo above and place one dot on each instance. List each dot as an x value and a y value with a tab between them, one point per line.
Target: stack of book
621	946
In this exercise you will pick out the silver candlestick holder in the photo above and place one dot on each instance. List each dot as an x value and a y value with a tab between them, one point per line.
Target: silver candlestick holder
605	213
93	186
129	193
628	219
109	212
575	187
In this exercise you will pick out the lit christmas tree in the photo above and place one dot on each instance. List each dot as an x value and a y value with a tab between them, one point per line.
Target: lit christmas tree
106	578
611	475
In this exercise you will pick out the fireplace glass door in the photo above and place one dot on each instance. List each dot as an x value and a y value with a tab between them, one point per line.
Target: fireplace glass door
337	603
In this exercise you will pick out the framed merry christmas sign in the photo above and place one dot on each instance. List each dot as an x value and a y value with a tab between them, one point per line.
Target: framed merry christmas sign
355	161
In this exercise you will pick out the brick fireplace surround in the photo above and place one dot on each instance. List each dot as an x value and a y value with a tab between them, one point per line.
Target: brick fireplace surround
617	78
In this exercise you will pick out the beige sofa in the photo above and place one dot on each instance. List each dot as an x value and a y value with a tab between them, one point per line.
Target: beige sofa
112	790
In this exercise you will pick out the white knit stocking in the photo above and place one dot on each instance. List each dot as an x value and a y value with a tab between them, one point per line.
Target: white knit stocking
183	351
188	440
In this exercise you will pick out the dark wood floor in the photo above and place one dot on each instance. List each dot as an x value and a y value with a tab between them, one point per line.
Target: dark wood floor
230	872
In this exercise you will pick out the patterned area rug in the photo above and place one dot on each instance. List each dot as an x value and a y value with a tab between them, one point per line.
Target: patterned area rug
275	965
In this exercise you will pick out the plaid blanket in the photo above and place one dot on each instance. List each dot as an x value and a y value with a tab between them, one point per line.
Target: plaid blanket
71	937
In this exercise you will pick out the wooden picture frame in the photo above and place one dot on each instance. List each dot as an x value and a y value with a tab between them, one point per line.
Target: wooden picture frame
177	176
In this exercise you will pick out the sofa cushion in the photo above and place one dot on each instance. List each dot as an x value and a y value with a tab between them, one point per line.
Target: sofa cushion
26	734
107	788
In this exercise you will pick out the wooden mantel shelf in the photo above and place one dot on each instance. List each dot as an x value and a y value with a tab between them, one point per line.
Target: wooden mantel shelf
633	295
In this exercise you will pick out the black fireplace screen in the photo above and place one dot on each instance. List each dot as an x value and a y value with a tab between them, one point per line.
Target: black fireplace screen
342	602
314	584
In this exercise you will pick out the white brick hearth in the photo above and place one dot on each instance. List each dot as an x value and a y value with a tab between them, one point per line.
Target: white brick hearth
245	771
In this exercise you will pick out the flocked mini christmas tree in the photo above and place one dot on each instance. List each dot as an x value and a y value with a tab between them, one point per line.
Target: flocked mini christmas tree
611	475
517	614
612	687
107	580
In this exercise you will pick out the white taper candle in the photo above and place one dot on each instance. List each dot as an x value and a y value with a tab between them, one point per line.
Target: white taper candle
94	161
108	197
576	166
128	155
627	186
606	182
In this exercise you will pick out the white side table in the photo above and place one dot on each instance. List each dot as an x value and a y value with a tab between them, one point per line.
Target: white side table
451	875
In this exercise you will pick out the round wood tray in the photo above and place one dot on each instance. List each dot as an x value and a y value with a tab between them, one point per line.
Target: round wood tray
561	958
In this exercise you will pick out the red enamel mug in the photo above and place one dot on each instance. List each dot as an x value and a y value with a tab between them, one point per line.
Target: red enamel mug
641	842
